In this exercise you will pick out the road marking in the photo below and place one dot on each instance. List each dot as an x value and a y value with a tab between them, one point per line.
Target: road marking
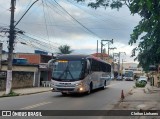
36	105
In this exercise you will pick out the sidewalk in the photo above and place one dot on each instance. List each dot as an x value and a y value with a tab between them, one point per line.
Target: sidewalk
27	91
147	98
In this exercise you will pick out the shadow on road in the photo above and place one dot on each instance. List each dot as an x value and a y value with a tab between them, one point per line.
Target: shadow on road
80	94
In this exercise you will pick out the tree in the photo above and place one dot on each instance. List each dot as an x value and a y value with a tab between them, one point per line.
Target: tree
147	31
65	49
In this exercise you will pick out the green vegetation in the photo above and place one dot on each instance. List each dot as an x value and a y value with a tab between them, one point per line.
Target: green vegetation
140	84
65	49
147	31
10	94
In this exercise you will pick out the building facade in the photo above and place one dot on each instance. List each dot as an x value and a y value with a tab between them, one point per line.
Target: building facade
41	60
36	67
22	76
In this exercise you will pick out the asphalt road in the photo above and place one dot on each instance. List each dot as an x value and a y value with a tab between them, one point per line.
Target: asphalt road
97	100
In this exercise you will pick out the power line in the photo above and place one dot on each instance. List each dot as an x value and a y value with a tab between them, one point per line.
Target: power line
37	44
59	10
104	19
22	7
40	42
41	39
25	13
45	20
31	44
122	18
77	20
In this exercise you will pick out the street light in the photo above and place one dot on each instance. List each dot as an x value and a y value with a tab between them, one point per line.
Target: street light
104	45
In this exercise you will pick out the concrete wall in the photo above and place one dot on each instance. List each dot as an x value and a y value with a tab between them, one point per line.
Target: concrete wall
22	79
19	80
22	76
156	79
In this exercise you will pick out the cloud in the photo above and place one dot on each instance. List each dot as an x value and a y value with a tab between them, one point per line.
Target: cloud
50	22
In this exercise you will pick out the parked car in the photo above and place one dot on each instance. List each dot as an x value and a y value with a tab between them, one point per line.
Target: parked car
142	79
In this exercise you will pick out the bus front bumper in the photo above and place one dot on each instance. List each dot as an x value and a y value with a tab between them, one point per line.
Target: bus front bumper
79	89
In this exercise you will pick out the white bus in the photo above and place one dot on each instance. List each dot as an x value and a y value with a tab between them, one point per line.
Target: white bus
128	75
79	73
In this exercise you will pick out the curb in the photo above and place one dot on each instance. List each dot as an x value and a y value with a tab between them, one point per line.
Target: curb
21	94
33	92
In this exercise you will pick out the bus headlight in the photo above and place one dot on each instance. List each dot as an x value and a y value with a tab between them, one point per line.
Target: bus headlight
81	89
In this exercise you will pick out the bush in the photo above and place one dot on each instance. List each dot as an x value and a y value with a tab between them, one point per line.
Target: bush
140	84
10	94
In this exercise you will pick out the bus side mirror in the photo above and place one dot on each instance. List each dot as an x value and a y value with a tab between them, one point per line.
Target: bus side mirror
50	64
88	71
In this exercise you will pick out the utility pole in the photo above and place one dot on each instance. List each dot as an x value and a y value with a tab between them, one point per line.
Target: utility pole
1	47
111	49
122	66
101	49
104	45
10	49
97	48
119	62
11	42
114	54
108	48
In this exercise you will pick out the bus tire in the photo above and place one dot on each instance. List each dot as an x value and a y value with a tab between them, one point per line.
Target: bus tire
104	86
64	93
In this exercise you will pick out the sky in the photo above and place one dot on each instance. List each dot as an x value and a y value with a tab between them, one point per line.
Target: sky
47	25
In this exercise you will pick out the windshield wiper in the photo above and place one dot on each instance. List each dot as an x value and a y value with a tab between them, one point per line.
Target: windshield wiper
63	72
69	73
67	69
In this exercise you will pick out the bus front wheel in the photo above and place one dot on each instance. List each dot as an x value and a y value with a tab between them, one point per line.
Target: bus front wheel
104	86
64	93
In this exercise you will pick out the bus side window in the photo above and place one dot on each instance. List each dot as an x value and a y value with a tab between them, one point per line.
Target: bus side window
95	66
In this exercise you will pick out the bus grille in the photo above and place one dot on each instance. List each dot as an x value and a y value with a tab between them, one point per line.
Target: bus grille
65	89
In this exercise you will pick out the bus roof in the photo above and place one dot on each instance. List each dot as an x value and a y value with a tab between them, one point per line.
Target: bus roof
78	57
71	57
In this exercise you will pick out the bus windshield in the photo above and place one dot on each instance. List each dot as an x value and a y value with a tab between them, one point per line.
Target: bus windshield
129	74
67	70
